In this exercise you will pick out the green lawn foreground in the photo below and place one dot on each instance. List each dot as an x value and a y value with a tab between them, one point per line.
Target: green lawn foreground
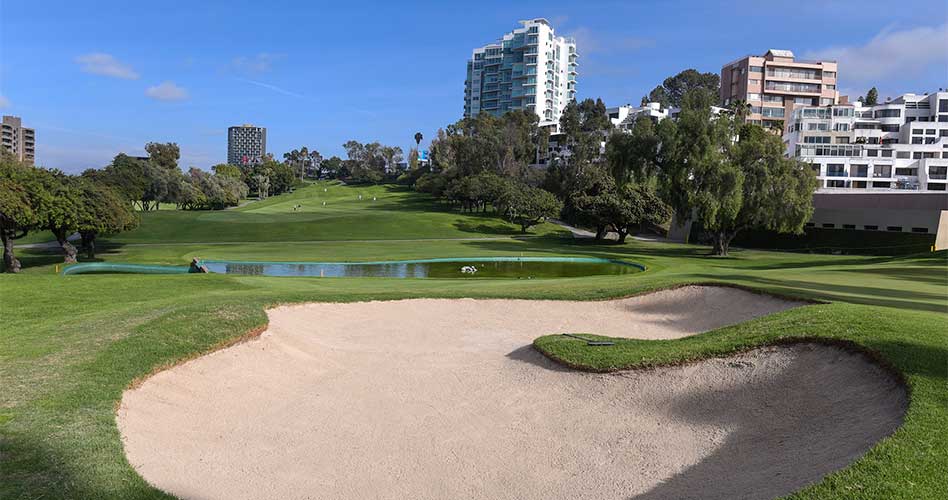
69	346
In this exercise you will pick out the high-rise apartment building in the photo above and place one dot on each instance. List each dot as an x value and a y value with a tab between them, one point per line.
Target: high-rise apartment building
775	83
529	68
246	145
18	140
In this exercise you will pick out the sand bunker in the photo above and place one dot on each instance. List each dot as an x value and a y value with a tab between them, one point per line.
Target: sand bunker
447	399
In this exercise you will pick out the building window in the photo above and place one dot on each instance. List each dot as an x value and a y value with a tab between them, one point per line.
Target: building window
859	171
816	139
756	69
895	229
871	228
810	224
829	225
829	87
885	185
888	113
906	171
917	140
835	170
849	226
829	74
753	96
826	101
919	229
935	186
943	105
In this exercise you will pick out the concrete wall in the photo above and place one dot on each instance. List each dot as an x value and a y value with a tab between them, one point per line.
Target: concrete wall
906	210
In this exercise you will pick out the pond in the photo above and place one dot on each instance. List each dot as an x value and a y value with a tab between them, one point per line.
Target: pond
498	267
468	268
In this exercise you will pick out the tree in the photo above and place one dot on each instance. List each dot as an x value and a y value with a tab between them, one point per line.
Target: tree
741	109
62	215
226	170
672	91
331	167
633	156
129	176
104	212
164	155
305	161
393	156
587	197
23	197
691	153
313	164
418	138
872	97
585	126
772	192
528	206
263	185
217	191
634	205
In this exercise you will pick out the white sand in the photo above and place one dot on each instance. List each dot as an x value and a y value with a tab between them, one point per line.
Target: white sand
432	399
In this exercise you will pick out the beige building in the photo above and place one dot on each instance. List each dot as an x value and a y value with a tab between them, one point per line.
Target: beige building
776	82
18	140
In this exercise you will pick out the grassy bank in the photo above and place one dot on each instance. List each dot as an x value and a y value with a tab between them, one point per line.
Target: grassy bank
69	346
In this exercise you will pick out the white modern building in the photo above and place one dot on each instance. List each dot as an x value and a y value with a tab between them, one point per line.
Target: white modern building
529	68
246	145
881	167
899	145
623	117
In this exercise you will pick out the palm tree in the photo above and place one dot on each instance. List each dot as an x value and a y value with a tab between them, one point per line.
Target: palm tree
741	109
418	138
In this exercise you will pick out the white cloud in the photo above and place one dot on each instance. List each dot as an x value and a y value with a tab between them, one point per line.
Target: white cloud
891	53
107	65
260	63
167	91
4	102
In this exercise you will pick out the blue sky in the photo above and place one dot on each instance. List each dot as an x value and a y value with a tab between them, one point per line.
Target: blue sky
98	80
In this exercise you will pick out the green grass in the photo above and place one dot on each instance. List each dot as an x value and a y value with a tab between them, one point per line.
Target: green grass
384	212
69	346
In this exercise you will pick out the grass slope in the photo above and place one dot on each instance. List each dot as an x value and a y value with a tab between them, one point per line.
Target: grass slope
69	346
384	212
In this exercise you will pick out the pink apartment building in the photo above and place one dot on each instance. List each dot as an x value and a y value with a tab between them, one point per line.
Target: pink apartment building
774	83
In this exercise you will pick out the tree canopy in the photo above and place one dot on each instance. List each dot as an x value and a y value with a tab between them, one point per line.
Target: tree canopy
672	91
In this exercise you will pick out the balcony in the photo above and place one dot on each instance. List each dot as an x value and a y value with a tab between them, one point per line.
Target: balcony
798	88
836	173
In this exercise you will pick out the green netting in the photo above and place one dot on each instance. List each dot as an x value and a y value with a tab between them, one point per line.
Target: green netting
113	268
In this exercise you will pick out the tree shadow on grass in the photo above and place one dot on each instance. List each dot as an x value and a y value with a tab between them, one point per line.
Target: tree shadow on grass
39	257
495	226
867	295
914	359
590	247
928	275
